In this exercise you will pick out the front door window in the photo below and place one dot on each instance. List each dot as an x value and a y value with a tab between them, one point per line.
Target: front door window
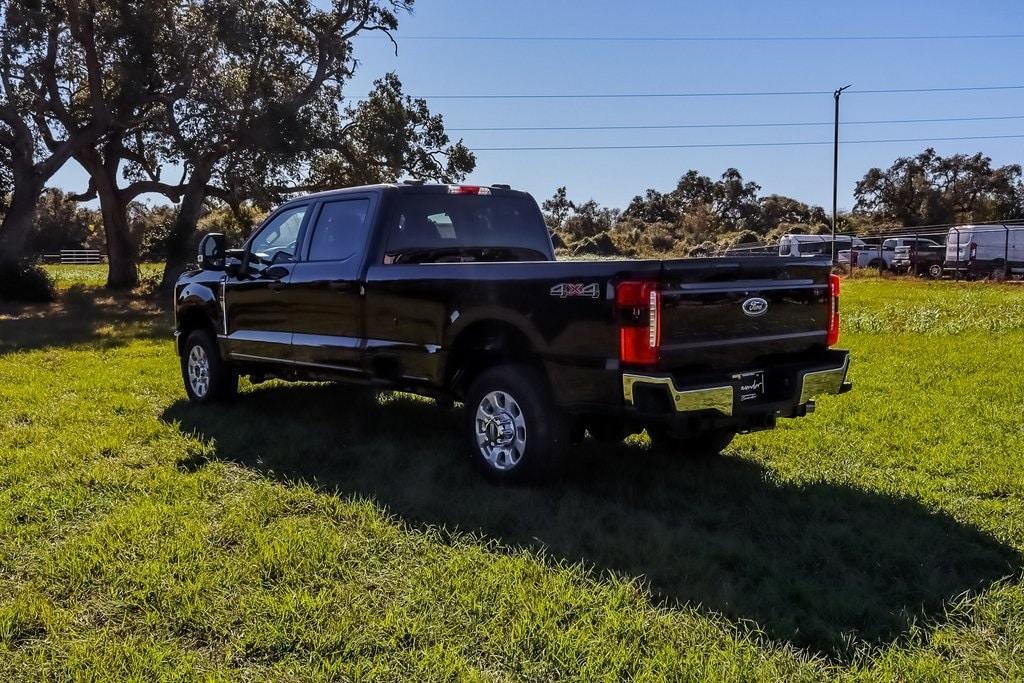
278	240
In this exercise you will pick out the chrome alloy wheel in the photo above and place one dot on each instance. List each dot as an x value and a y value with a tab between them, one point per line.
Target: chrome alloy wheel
500	430
199	371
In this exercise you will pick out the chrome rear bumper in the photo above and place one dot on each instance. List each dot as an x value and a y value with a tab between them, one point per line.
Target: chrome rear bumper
814	382
708	398
819	382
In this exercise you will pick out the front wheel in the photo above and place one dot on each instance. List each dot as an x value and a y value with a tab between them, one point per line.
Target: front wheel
515	430
207	377
935	271
705	445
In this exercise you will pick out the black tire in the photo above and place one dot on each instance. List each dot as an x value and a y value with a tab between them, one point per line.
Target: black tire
706	445
529	437
934	271
221	381
878	264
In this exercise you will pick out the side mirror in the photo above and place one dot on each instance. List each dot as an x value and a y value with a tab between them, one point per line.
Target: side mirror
212	252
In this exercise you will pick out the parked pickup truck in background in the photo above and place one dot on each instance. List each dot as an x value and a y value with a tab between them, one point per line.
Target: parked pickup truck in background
880	255
920	256
453	292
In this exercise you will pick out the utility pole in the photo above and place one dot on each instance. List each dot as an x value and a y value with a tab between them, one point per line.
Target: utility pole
835	177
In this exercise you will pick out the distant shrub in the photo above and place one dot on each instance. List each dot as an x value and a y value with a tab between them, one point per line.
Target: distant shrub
22	281
660	238
597	245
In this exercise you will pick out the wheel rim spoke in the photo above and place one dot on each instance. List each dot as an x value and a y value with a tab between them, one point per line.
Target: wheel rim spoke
198	371
500	428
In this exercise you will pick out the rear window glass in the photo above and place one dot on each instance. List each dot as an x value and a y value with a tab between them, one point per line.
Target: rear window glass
821	247
340	231
438	228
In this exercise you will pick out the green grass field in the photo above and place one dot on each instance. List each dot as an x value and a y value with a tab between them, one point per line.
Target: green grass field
313	532
67	276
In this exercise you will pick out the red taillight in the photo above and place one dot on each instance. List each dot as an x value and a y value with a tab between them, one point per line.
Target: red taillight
974	251
833	310
468	189
639	305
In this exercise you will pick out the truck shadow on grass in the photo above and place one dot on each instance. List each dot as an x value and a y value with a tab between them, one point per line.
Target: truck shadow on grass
824	566
81	315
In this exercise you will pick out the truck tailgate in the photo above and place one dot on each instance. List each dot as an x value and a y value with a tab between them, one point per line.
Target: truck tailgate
730	314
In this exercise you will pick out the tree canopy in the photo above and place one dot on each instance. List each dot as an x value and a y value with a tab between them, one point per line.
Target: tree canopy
930	189
699	214
245	99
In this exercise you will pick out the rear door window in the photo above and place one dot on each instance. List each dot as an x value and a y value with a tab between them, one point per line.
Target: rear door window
340	230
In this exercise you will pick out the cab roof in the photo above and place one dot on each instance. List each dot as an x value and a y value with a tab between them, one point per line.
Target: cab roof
412	187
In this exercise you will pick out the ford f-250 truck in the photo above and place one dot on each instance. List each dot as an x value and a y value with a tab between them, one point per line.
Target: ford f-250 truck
454	292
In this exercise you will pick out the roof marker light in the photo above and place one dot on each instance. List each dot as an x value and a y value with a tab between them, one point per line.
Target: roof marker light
468	189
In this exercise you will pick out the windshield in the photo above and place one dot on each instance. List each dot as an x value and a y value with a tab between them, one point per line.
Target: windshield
436	228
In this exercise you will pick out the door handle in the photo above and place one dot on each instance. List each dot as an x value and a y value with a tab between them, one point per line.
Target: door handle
341	286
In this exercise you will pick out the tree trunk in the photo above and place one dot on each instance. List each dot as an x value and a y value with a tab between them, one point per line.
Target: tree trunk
122	252
179	242
122	255
17	221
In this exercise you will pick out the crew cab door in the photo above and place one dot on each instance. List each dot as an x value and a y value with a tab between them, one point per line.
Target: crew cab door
325	294
257	323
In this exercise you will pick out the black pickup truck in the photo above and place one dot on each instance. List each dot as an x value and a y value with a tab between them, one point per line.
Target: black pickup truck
454	292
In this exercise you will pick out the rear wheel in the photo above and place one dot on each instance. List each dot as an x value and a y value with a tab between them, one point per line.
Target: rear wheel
705	445
935	271
515	430
207	377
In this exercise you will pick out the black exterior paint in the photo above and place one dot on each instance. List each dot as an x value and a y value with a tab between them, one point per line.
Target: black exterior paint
401	324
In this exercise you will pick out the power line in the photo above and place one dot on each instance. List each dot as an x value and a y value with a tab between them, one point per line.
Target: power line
926	90
760	93
715	39
800	143
586	96
732	125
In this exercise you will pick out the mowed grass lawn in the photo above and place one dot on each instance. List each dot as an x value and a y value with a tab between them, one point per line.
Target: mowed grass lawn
314	532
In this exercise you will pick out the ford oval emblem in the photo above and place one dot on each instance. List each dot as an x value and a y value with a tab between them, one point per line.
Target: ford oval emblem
755	306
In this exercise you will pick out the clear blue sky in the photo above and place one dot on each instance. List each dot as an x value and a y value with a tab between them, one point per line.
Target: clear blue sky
430	68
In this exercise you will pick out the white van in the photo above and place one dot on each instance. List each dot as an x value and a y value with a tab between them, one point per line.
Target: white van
992	251
816	245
